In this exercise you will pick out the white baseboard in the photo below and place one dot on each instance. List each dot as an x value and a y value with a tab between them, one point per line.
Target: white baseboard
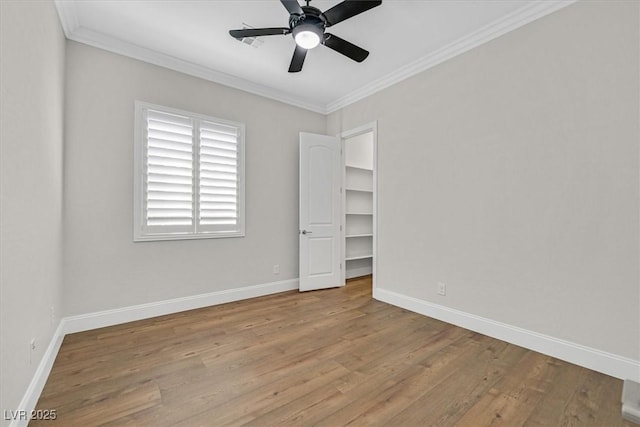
101	319
85	322
591	358
31	396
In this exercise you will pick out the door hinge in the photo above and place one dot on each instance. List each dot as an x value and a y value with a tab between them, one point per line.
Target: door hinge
340	227
340	266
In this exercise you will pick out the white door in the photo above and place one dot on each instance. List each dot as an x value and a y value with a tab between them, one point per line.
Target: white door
320	212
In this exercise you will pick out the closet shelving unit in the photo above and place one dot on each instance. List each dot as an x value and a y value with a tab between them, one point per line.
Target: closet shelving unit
358	220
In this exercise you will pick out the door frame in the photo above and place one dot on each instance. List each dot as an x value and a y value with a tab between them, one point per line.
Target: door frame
362	129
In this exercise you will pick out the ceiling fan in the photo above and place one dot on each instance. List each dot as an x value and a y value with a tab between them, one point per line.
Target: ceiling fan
307	24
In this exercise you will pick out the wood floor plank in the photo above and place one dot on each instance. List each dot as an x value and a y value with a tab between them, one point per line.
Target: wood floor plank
327	358
587	403
556	399
239	410
104	408
460	385
511	400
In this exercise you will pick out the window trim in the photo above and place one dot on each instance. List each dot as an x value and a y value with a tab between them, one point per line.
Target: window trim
139	233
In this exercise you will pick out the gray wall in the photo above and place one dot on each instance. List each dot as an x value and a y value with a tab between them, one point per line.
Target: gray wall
103	268
31	117
511	174
517	185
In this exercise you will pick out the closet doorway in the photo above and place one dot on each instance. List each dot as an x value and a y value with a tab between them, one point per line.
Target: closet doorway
359	157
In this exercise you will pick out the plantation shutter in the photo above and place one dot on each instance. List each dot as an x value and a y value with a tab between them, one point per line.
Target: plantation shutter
218	186
189	171
169	172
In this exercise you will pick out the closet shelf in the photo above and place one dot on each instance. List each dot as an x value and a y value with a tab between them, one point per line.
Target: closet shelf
358	168
359	235
353	258
360	190
359	213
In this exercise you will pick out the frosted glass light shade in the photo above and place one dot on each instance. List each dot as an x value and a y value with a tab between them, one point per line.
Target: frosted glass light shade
307	36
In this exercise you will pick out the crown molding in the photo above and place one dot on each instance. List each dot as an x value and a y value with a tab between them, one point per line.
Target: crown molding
74	31
68	16
506	24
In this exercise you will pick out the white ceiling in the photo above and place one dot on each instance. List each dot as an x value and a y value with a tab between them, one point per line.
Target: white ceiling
404	37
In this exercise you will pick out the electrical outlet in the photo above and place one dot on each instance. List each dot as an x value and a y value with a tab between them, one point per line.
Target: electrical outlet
276	269
442	289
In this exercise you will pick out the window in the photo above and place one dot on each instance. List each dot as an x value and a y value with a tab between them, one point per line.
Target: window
189	175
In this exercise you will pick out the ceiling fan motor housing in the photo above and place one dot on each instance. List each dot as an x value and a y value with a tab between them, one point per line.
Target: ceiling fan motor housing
312	17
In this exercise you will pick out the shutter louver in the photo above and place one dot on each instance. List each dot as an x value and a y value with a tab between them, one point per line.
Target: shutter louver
218	175
169	170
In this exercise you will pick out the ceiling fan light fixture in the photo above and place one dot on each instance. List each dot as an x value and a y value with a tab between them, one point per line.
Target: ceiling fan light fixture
307	36
307	25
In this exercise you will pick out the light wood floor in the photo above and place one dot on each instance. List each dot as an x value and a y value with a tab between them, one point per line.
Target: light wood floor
327	358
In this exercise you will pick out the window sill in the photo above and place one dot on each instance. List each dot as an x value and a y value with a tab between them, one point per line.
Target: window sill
185	236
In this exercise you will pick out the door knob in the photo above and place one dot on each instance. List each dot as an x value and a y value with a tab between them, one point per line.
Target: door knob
306	232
